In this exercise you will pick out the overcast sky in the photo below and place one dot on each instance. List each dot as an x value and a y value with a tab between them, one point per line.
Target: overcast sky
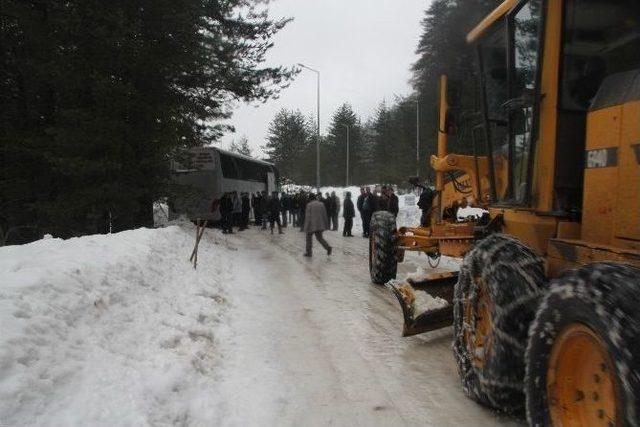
362	48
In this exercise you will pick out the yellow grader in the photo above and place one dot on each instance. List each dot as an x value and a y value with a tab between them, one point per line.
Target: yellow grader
545	306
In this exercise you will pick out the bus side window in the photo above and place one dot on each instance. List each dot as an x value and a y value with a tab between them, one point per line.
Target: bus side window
229	167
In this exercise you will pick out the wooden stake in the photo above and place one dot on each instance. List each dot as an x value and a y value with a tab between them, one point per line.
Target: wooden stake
199	233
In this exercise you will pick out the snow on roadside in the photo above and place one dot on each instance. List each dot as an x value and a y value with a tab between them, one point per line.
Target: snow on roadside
111	329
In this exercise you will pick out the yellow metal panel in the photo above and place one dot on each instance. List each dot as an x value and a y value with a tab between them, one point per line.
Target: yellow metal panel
628	206
566	254
601	184
490	19
568	230
545	161
534	230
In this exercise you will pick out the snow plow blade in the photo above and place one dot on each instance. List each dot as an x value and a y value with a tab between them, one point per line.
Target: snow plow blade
437	285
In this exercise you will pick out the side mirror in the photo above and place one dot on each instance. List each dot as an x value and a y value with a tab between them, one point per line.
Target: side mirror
454	94
450	124
450	104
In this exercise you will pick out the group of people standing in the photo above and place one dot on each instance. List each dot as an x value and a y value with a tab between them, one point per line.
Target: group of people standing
368	203
312	212
234	211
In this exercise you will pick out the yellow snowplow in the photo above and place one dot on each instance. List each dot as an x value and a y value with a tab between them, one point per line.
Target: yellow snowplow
545	304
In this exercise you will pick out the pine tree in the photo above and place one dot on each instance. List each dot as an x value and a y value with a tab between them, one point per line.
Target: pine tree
241	147
334	164
288	140
97	96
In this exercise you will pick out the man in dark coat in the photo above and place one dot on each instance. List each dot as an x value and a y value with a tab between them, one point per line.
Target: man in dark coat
246	209
383	199
393	205
264	209
425	203
369	205
327	206
359	205
335	211
226	210
295	209
257	212
285	203
348	212
315	223
304	199
274	212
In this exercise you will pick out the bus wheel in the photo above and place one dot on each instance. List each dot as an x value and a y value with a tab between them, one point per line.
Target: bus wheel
495	300
383	259
583	350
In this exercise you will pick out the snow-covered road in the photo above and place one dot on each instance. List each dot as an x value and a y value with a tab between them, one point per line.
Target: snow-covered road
119	330
314	343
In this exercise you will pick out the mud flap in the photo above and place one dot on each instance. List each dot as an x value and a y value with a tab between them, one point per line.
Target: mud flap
437	285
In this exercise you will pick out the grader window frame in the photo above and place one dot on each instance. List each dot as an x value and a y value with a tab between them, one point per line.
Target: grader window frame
514	102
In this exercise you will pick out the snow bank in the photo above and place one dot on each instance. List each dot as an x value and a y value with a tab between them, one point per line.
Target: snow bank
111	329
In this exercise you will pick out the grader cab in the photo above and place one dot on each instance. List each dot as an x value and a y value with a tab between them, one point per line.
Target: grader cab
545	305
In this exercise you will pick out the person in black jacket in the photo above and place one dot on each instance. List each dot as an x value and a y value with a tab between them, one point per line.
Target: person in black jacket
295	208
304	199
274	209
359	205
348	212
393	205
285	204
257	208
369	206
335	211
425	203
246	209
226	211
264	209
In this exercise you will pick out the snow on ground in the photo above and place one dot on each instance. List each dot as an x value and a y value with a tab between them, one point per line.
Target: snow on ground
111	329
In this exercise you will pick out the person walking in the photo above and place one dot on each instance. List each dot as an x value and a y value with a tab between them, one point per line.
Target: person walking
315	223
348	212
275	207
246	209
335	211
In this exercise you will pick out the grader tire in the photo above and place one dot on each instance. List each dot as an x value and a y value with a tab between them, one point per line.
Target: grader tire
583	353
383	261
500	285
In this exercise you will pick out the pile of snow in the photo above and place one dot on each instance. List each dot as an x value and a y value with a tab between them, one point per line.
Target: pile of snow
470	212
111	329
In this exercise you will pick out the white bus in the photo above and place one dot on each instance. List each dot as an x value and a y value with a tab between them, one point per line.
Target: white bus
209	174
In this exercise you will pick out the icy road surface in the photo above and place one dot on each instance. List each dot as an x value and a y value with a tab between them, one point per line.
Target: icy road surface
314	343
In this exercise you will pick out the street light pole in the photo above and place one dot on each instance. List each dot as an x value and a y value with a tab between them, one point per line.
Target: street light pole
417	136
347	180
318	130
